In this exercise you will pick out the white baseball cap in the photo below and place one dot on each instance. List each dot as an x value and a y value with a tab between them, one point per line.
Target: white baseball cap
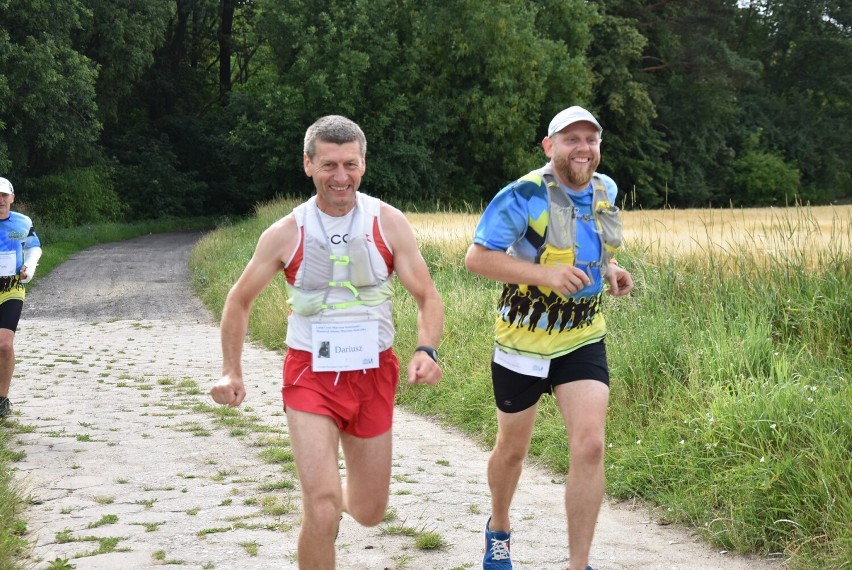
6	186
569	116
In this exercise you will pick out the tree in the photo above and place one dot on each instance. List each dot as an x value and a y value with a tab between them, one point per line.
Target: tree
802	108
48	116
693	76
763	178
498	75
226	28
453	95
634	153
121	38
170	135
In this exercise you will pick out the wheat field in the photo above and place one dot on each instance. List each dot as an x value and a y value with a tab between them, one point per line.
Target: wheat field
679	232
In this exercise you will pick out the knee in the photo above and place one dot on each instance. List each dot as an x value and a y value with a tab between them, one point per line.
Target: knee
510	452
322	510
369	513
511	455
7	347
588	449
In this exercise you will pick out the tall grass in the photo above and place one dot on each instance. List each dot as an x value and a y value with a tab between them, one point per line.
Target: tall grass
731	368
12	526
733	396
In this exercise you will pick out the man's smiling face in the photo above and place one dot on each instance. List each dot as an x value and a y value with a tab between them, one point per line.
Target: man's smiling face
575	152
336	170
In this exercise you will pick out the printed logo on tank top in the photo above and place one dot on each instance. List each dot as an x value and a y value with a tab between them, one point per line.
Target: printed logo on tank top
337	227
337	239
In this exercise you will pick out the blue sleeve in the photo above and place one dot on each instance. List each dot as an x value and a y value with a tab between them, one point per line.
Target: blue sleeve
611	188
504	220
31	240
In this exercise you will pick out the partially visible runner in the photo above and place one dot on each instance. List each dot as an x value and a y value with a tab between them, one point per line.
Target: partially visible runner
20	250
339	252
550	237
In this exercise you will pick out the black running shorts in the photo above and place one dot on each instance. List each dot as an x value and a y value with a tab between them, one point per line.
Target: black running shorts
515	392
10	314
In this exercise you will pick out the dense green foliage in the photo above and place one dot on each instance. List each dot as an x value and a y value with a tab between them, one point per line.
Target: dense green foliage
57	197
732	377
198	107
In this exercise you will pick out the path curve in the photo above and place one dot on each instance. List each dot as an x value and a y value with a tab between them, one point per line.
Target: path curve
114	358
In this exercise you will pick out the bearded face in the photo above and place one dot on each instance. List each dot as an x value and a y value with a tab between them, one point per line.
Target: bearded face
575	153
575	171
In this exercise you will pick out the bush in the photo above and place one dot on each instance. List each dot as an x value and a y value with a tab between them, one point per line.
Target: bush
764	179
75	197
152	181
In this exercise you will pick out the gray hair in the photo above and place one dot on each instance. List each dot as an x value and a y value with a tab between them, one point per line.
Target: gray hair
334	129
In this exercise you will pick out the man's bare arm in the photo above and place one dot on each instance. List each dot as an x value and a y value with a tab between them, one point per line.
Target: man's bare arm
500	266
413	273
274	244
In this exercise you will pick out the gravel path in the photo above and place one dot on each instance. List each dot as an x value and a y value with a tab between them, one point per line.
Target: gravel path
128	466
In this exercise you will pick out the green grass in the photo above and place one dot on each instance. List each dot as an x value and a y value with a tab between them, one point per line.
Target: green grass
732	380
12	503
734	375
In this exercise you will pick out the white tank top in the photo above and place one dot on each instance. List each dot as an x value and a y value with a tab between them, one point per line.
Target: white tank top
337	230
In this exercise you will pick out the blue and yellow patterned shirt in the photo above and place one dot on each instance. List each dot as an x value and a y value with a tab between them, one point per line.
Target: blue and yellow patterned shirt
535	320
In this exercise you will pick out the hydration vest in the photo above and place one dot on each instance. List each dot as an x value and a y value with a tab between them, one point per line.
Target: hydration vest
560	236
310	283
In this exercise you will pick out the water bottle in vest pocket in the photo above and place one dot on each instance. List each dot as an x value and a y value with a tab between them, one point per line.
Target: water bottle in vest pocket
608	218
560	236
361	271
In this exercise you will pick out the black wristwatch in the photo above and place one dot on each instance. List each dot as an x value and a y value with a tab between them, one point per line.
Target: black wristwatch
433	354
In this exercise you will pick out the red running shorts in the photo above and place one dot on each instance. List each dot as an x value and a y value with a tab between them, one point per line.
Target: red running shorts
359	401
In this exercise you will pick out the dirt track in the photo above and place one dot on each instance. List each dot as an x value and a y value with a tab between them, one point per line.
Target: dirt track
115	356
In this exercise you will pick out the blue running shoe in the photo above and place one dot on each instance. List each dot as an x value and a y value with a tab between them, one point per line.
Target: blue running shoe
496	549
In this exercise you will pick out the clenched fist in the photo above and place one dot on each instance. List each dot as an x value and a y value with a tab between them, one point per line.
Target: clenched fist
229	391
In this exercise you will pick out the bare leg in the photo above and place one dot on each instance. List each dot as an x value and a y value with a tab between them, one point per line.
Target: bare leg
507	461
7	360
368	472
583	405
314	439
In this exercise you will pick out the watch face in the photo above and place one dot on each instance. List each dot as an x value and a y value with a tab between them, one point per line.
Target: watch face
433	354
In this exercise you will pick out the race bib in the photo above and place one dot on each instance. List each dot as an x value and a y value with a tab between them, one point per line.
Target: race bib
339	347
526	365
8	263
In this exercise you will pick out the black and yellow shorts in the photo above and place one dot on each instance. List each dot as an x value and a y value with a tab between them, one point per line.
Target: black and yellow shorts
12	293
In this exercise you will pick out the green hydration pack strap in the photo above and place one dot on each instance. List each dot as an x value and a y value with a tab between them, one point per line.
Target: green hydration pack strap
338	279
340	260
